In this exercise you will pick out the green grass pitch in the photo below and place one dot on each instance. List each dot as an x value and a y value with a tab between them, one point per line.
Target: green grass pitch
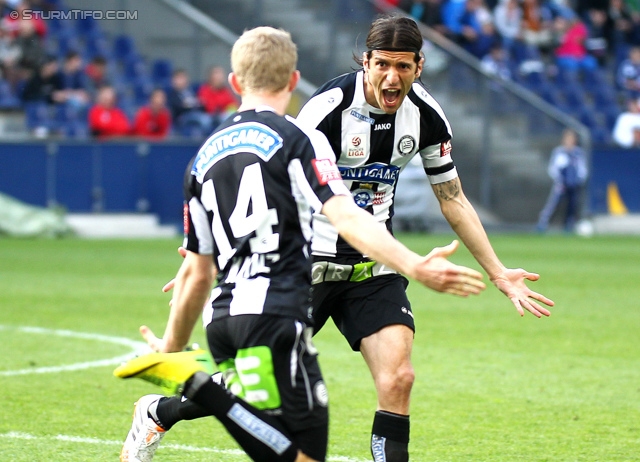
490	386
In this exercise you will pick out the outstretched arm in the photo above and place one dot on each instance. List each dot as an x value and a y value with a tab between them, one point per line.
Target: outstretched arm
433	270
464	220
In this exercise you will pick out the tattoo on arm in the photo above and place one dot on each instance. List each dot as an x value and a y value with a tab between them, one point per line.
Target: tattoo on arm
448	190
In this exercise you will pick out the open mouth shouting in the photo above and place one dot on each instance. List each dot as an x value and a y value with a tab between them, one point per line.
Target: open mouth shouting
391	96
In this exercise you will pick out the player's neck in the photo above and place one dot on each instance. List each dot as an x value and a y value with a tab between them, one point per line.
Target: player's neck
278	101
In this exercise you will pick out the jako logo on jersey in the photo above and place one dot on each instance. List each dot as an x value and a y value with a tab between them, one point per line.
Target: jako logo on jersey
362	117
381	127
250	137
372	173
326	170
406	145
445	148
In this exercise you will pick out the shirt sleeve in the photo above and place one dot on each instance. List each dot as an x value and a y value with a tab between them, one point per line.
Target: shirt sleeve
315	173
198	237
437	162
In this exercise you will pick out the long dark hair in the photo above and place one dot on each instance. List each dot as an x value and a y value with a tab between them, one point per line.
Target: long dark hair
393	33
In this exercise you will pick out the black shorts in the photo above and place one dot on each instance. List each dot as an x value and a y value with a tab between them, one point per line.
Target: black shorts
362	308
270	362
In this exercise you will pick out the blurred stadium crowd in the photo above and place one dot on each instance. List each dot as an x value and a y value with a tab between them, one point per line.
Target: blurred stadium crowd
74	80
582	56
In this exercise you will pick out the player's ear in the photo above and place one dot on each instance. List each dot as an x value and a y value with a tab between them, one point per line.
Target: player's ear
293	80
235	85
420	66
365	61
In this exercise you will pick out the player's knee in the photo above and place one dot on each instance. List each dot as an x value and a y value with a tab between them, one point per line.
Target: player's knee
399	381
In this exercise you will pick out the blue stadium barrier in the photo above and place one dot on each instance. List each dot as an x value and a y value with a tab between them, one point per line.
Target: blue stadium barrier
85	177
619	166
134	176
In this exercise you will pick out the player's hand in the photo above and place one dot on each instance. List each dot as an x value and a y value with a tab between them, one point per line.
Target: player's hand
169	285
439	274
155	343
512	283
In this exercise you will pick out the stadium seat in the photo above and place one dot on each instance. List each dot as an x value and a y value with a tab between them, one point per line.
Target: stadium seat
574	98
161	70
76	129
37	115
565	78
123	47
67	43
97	45
594	79
86	26
604	96
134	70
600	136
611	114
550	94
141	91
588	118
8	98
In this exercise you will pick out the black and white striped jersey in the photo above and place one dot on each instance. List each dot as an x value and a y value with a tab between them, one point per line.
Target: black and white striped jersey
249	197
372	148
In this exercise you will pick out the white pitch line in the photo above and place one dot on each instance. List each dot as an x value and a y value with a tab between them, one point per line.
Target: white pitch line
178	447
137	348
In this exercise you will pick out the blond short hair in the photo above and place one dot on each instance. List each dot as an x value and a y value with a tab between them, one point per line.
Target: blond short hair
263	59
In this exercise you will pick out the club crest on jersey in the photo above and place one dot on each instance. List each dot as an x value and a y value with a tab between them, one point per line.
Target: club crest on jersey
250	137
372	173
362	117
326	170
357	146
363	197
445	148
406	145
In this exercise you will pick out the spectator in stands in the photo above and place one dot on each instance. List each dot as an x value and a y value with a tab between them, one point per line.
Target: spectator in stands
452	11
9	56
97	74
497	63
14	22
625	25
186	109
46	85
474	28
571	53
600	29
428	12
628	74
626	131
32	52
75	85
153	120
216	96
507	18
568	170
106	120
537	25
